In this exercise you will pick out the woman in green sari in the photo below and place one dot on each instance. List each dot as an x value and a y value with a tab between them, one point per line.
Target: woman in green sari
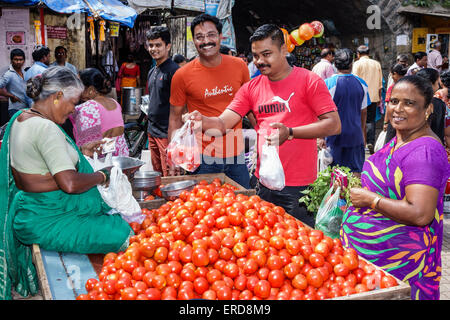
48	192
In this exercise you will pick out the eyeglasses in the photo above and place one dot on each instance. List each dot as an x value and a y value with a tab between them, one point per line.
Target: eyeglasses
209	35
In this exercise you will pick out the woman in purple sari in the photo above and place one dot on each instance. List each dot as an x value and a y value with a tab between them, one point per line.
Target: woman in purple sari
396	221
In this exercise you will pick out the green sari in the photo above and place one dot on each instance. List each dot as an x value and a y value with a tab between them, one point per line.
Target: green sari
56	221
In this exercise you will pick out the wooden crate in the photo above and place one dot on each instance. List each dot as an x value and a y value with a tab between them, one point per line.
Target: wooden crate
209	177
400	292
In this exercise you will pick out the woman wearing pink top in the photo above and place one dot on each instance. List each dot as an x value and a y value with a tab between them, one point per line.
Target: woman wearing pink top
99	116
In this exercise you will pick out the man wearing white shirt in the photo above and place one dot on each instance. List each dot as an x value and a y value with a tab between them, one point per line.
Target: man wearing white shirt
420	62
435	57
324	68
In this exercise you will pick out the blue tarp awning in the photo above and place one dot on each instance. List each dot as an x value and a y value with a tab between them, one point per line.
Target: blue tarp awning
112	10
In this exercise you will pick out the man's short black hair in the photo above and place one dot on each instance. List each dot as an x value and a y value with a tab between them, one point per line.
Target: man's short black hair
224	49
59	48
419	55
204	17
178	58
17	53
343	59
268	31
399	69
363	49
159	32
40	53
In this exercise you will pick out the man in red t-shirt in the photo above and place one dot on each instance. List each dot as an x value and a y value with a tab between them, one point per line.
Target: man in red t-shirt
208	84
293	100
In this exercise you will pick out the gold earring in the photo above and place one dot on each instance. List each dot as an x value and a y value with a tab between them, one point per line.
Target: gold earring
55	102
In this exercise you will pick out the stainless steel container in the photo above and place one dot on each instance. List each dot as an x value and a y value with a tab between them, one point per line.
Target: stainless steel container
131	100
146	180
172	190
128	165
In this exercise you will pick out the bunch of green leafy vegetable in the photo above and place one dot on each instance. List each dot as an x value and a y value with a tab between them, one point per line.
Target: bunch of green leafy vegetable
313	195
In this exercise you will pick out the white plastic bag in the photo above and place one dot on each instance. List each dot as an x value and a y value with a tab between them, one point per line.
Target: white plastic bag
118	194
183	150
380	141
271	173
324	159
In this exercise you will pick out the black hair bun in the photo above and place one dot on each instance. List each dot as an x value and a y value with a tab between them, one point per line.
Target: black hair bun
34	87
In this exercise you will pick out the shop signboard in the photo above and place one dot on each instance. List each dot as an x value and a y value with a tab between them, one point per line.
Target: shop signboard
15	34
114	29
431	39
56	32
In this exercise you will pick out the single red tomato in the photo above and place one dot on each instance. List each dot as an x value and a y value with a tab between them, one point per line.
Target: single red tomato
274	262
388	282
276	278
201	285
262	289
129	293
200	257
299	282
350	260
341	270
316	260
224	293
240	282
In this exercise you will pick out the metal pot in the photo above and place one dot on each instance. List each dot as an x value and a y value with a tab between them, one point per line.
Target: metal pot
131	100
172	190
146	181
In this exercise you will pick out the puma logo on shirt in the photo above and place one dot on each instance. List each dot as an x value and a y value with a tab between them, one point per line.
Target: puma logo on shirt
227	89
280	106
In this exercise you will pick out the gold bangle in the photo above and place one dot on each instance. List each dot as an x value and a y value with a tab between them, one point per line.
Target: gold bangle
104	177
375	202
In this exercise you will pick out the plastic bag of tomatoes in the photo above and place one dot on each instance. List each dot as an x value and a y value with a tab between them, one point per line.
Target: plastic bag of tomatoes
183	151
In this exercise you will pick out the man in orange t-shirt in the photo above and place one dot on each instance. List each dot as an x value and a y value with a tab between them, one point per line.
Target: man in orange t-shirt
208	84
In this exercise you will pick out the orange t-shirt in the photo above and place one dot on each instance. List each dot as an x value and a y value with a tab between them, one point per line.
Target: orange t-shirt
210	91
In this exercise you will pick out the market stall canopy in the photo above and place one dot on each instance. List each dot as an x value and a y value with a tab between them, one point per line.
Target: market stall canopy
435	10
142	5
192	5
112	10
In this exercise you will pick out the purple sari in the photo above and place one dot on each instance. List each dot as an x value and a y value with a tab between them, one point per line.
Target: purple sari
412	254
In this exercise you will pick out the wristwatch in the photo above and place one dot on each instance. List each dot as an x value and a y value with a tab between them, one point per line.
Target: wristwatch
291	134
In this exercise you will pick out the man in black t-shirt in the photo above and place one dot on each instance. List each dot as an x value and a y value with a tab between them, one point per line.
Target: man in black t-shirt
158	81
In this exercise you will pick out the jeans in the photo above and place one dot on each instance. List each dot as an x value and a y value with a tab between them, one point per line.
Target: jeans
288	199
234	168
371	116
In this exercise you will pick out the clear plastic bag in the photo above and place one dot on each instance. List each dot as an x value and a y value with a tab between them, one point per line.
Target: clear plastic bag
324	159
330	213
271	172
183	150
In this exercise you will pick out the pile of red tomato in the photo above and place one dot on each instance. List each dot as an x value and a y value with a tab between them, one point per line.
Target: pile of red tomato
213	244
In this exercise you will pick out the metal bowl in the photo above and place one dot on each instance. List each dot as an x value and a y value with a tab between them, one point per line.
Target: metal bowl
128	165
146	181
172	190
